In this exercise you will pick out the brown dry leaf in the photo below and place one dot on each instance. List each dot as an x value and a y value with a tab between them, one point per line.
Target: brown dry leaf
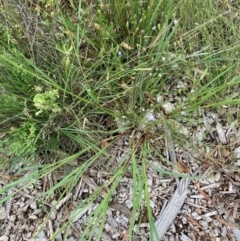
206	166
7	177
104	144
151	97
125	235
120	207
182	167
225	152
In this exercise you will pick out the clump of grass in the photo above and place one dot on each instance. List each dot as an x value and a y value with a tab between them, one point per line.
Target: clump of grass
76	74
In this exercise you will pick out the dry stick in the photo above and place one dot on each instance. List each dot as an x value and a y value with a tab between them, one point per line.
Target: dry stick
194	221
172	209
62	201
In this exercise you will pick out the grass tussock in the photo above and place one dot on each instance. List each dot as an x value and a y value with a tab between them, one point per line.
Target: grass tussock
75	76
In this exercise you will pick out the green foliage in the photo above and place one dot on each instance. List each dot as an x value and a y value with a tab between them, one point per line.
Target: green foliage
46	102
20	141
